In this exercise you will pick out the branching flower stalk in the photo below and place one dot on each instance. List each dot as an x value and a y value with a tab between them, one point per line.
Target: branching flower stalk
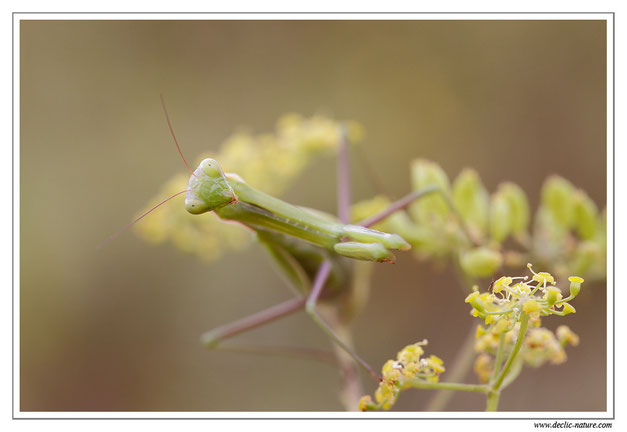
495	387
512	314
568	234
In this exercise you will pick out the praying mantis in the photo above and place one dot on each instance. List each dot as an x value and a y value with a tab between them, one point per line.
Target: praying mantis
311	248
307	245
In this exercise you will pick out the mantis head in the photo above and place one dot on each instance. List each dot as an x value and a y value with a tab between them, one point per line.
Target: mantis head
208	189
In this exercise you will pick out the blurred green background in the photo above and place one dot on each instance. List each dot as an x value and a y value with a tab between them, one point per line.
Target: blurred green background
118	328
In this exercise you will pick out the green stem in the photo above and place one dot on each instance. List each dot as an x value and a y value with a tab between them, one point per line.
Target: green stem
494	395
503	312
421	384
513	373
493	401
499	357
524	320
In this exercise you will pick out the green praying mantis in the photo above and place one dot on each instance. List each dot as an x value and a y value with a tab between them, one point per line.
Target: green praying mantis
310	247
307	245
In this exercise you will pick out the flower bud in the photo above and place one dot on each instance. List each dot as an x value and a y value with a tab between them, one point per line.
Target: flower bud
475	301
544	278
366	404
566	336
425	173
436	364
501	283
531	306
411	353
553	295
568	309
386	395
585	215
471	199
500	218
575	285
480	262
519	206
391	370
557	197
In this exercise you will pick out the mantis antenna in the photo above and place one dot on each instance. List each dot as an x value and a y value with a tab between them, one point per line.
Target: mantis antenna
138	218
167	117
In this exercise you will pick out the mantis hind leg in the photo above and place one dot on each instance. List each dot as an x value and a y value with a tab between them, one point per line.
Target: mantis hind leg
297	279
212	338
310	307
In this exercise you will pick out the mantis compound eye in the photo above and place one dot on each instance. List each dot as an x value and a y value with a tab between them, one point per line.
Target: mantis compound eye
211	168
196	206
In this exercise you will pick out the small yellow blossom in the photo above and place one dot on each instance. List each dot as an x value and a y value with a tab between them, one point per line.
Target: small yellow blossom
568	309
575	285
552	295
501	283
408	366
483	367
366	403
542	277
531	306
566	336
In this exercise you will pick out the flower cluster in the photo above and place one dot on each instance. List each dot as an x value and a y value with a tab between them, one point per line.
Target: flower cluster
484	232
540	346
269	162
570	231
512	296
400	373
502	310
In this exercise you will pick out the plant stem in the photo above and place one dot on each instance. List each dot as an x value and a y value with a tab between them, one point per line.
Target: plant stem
493	401
524	320
513	373
493	396
499	357
421	384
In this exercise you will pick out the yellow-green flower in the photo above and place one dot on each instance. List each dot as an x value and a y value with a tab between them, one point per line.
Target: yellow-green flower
566	336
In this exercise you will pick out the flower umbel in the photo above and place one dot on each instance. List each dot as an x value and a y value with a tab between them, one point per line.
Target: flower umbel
502	310
512	296
410	365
